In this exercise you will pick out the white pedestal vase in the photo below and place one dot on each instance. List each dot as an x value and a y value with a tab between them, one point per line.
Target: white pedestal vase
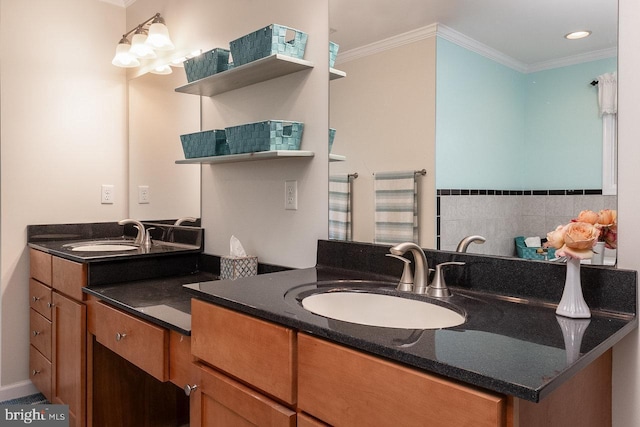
572	303
598	254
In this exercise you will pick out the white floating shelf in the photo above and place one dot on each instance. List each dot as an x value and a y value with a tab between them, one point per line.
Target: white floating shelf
337	158
261	70
336	74
248	157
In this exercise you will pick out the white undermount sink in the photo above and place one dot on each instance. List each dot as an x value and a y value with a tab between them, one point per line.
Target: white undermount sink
380	310
102	246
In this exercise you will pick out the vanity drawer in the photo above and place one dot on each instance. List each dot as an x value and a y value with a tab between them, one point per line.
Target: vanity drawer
40	372
68	277
341	386
40	333
141	343
40	298
255	351
180	366
40	266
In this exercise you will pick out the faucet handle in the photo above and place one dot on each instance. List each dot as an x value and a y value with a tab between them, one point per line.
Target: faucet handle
438	288
406	281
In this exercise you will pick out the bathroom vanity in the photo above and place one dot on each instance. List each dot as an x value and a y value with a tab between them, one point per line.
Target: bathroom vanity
246	351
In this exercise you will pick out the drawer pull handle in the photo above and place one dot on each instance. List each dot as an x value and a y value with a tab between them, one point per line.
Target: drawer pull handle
120	336
35	372
35	333
50	304
188	389
35	299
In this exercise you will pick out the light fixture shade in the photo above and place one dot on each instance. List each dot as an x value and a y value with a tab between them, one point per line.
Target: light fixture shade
158	37
139	49
162	69
123	57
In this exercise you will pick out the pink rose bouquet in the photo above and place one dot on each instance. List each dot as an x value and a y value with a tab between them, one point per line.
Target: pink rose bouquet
606	221
574	240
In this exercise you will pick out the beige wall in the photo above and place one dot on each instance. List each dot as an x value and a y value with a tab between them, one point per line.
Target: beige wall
63	116
626	358
376	138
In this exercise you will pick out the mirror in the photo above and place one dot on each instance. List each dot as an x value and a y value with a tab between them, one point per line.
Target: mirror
493	102
157	117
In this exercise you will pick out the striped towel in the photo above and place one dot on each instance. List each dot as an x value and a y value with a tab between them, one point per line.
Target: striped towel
339	207
396	207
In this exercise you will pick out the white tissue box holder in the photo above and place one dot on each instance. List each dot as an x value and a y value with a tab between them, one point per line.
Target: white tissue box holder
235	267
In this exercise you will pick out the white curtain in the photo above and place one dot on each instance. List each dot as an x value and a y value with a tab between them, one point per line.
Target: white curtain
608	105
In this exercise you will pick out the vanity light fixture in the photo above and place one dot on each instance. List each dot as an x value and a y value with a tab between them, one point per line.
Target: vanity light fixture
162	69
575	35
150	35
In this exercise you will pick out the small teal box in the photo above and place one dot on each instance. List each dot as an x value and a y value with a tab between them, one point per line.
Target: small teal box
267	41
205	144
264	136
206	64
333	53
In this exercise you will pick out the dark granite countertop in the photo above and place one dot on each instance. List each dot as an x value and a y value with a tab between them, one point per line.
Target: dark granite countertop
60	248
162	301
510	345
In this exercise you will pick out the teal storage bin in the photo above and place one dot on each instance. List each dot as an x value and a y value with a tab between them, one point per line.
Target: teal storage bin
332	135
333	53
206	64
205	144
532	253
267	41
264	136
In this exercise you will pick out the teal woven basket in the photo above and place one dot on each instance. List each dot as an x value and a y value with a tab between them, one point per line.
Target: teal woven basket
264	136
205	144
332	135
532	253
207	64
333	53
267	41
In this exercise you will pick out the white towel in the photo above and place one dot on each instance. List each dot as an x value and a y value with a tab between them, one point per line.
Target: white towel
396	207
340	207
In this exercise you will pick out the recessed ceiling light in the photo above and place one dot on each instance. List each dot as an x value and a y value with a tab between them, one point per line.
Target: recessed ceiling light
577	35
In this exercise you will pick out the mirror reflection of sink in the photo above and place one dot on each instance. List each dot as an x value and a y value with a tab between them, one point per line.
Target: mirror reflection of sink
101	246
381	310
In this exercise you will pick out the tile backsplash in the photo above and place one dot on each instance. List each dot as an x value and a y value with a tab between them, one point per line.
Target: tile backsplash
501	215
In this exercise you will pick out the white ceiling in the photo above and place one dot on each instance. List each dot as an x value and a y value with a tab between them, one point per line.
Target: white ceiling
529	31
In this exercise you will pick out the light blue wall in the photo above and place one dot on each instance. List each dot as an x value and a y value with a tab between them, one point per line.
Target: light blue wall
563	130
480	108
497	128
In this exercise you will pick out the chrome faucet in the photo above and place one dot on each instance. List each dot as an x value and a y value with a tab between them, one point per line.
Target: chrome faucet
137	224
179	221
421	278
464	243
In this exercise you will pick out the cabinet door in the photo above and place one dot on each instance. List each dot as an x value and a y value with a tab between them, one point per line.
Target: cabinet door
344	387
221	401
68	277
69	356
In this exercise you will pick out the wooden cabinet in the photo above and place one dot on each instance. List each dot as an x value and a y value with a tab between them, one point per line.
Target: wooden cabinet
222	401
255	351
69	356
57	357
250	379
140	342
341	386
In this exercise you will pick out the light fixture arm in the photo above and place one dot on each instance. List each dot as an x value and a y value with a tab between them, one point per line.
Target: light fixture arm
154	18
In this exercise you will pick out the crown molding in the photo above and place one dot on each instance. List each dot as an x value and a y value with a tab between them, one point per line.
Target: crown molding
121	3
573	60
468	43
388	43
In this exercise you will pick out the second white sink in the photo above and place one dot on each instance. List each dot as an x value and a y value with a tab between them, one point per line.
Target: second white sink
386	311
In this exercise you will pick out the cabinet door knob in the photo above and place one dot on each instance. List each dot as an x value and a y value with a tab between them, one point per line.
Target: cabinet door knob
188	389
120	336
35	333
35	372
50	304
34	298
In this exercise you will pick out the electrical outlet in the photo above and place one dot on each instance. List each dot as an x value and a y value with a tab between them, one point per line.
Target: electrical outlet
143	194
291	195
107	194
